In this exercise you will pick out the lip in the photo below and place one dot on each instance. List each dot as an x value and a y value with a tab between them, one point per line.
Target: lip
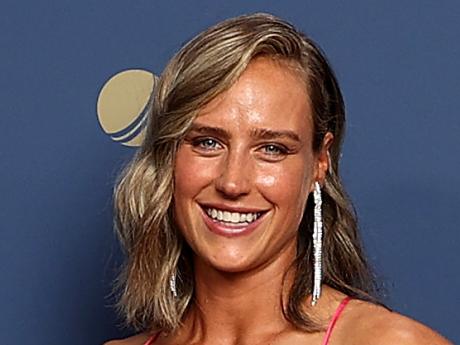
231	231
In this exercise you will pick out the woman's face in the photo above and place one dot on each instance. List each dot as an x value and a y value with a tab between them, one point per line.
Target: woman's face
245	169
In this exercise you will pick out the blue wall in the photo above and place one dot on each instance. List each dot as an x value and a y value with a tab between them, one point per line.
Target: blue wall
398	63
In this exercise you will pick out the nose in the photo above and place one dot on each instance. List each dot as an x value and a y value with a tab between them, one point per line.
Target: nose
234	179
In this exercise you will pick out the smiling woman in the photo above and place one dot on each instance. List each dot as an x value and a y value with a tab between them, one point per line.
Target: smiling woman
233	217
248	161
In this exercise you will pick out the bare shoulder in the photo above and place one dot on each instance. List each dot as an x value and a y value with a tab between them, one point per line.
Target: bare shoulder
138	339
367	323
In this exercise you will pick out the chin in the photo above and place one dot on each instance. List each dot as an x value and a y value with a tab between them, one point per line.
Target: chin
230	263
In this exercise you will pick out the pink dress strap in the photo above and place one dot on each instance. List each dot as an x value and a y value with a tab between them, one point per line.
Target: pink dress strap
152	339
334	319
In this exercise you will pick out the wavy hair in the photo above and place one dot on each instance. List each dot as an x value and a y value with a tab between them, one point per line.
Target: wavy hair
154	248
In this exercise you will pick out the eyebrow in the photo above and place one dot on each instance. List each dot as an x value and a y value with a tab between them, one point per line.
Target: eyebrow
265	133
217	131
258	133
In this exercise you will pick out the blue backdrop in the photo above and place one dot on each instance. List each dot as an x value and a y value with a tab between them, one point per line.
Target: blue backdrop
398	63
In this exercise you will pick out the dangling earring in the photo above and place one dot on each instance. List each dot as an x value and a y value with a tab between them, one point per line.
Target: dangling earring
317	244
172	284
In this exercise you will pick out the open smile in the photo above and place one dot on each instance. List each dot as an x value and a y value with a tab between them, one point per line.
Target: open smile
231	223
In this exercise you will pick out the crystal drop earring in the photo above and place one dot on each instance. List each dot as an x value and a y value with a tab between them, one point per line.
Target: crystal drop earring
172	284
317	244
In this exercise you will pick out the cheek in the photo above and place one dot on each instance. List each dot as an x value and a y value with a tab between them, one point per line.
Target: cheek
191	175
286	186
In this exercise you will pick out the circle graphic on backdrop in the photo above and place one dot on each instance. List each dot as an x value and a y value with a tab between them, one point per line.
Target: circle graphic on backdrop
123	104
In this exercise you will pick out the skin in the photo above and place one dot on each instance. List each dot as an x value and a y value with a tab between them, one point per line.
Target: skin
239	279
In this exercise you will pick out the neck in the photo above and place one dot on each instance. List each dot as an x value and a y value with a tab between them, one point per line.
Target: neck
239	306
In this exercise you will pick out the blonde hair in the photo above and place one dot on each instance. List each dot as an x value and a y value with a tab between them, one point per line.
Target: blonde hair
155	250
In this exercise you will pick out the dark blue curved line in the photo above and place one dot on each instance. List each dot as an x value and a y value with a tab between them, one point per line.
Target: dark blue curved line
126	130
133	135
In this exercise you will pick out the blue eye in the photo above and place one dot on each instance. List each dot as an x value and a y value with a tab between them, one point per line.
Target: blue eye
207	144
272	149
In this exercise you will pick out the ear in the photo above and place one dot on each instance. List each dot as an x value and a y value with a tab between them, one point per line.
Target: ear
323	159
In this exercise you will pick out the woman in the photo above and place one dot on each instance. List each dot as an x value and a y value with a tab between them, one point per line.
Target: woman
235	223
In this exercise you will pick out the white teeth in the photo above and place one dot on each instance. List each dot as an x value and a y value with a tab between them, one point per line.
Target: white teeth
232	217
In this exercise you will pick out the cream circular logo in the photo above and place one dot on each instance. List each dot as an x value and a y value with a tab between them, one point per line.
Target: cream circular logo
123	104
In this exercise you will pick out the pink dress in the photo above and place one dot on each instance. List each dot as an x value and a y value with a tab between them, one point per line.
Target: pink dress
330	327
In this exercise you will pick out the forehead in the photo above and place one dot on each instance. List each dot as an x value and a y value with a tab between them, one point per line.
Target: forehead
268	94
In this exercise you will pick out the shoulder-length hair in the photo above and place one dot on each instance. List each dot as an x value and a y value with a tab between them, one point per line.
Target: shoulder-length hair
155	250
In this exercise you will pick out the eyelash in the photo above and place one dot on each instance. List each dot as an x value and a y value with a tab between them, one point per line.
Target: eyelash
281	149
201	143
